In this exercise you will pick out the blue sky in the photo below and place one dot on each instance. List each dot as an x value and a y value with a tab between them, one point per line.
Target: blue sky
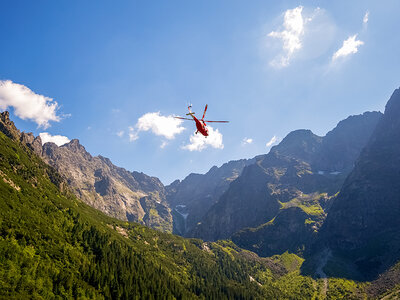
119	69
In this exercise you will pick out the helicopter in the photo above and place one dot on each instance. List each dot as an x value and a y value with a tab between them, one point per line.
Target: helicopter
200	124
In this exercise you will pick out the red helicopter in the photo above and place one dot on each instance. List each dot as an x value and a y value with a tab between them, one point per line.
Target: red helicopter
200	124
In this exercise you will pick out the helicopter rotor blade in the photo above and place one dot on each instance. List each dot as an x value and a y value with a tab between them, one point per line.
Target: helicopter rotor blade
216	121
204	113
183	118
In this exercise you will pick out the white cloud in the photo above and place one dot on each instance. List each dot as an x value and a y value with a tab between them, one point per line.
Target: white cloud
120	133
246	141
366	17
291	36
166	126
272	141
198	142
27	104
59	140
306	33
133	136
350	46
163	144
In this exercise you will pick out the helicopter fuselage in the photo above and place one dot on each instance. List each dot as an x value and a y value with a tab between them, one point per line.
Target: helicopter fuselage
201	126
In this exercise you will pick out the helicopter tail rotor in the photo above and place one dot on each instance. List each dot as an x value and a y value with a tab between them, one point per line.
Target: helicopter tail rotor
190	111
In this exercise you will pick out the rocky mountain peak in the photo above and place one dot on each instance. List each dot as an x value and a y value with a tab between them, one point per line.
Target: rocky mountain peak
393	105
5	116
26	138
35	143
75	147
300	143
105	159
212	170
7	126
342	145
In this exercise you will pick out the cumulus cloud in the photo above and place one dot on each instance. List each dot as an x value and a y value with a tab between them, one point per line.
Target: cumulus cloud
272	141
198	142
350	46
120	133
366	17
166	126
59	140
247	141
27	104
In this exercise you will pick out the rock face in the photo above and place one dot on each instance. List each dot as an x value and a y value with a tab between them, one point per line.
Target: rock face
28	139
303	166
191	198
363	224
342	146
130	196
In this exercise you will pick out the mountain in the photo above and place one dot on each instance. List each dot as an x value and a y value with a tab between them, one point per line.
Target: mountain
53	245
130	196
363	224
295	180
191	198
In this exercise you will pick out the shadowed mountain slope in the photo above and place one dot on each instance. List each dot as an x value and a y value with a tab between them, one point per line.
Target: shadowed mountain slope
191	198
363	224
303	171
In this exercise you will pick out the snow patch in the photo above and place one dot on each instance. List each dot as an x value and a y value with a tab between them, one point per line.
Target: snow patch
335	173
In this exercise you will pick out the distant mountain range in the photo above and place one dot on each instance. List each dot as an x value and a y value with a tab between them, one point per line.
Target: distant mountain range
245	199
